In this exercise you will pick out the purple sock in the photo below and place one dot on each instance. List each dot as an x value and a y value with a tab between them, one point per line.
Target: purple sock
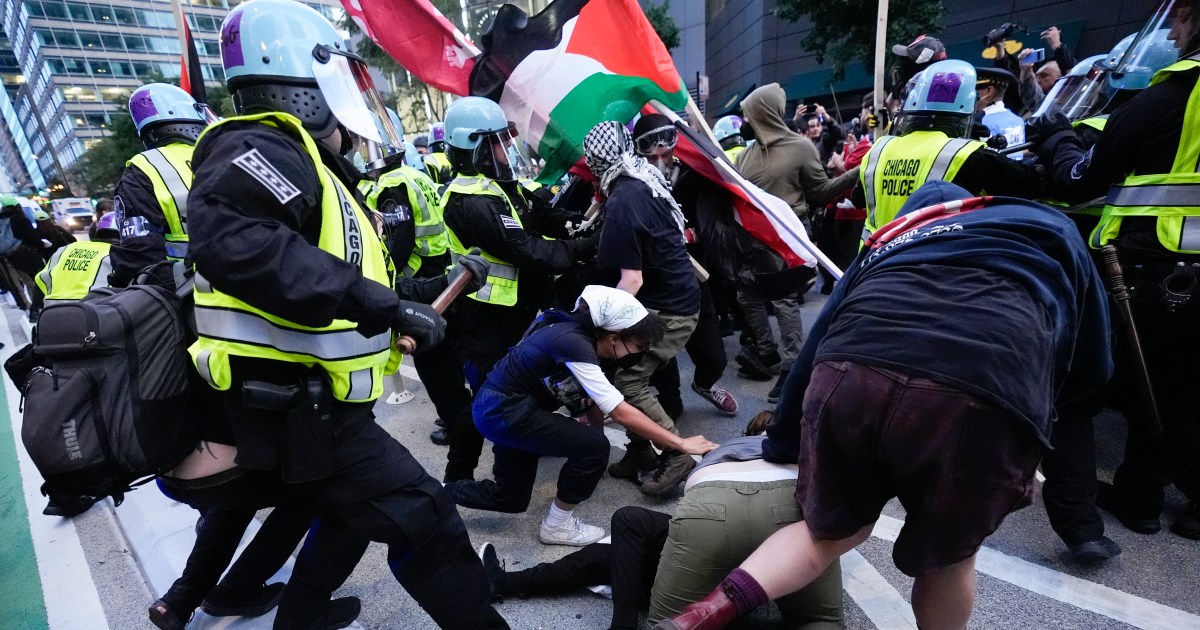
744	591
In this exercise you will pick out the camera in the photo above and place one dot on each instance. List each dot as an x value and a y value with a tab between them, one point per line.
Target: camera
1001	33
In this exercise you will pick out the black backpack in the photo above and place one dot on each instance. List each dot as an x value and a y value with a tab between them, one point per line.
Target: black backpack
105	398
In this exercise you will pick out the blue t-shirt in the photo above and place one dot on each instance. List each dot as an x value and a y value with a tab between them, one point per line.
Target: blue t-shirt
640	233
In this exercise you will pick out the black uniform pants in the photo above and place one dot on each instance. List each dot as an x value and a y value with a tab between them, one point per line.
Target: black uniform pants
707	351
629	564
1170	342
441	373
217	540
466	443
521	433
1070	468
377	492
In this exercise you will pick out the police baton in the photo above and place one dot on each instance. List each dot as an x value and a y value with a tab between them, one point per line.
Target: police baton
1110	267
406	344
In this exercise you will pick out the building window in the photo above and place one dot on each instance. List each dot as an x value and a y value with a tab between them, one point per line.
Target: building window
125	17
54	10
112	42
80	13
35	9
90	41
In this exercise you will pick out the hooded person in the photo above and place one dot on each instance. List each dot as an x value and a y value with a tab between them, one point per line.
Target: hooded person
561	361
787	165
782	162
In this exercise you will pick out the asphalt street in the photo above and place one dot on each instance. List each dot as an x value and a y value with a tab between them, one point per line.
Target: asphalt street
1026	580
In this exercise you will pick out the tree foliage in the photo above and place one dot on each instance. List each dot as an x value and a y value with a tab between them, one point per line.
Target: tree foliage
101	166
663	24
844	32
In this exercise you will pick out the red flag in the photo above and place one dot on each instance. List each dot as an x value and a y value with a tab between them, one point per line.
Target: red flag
420	38
765	216
191	79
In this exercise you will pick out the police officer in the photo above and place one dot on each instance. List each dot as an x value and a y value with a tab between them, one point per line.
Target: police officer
297	316
436	163
482	208
1144	163
151	197
409	203
80	267
931	144
728	131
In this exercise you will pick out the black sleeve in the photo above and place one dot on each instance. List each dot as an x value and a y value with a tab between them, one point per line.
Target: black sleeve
423	290
1142	136
401	230
1064	57
254	227
620	244
22	228
142	228
483	220
988	172
546	220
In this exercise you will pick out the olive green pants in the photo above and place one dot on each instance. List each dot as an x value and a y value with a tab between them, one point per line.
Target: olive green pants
716	526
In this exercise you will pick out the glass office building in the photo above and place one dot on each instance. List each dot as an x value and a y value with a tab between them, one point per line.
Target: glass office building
88	56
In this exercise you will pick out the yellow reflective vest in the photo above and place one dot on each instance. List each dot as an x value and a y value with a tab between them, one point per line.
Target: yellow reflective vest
501	286
896	166
430	228
1171	197
170	171
438	167
227	326
74	271
733	152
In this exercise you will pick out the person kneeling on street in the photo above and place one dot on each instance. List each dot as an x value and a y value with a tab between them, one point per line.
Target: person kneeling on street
562	360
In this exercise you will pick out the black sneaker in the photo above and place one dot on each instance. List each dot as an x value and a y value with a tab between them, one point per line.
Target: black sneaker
340	613
165	618
1188	523
1094	550
221	603
777	390
636	459
67	506
440	437
439	422
493	570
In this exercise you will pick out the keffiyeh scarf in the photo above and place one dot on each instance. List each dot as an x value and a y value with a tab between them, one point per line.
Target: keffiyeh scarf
608	151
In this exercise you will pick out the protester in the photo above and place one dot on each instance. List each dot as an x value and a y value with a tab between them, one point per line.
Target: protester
560	362
732	502
859	412
642	251
789	167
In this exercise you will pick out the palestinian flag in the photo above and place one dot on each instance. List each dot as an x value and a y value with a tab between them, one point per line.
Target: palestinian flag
575	64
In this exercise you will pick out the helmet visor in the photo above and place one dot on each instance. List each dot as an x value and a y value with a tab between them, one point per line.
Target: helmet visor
501	156
206	112
662	137
351	95
1077	96
1144	45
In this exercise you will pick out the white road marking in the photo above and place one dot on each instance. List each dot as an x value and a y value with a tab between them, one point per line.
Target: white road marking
881	602
1102	600
67	584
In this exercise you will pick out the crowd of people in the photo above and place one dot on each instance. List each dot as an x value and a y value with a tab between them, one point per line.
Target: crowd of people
968	342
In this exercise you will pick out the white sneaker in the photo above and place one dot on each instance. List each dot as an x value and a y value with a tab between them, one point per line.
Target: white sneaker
573	533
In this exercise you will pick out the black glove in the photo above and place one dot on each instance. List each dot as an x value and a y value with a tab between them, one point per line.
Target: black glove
420	322
585	248
477	265
997	142
1039	130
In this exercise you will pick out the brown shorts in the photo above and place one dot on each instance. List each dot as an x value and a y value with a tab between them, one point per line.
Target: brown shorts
957	463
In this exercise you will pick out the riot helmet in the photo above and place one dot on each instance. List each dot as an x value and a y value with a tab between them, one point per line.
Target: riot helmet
1135	59
163	112
480	140
437	137
283	56
728	131
940	98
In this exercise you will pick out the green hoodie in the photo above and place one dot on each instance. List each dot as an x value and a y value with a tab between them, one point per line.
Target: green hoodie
783	162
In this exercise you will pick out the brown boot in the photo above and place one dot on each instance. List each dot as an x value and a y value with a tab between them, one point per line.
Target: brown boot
710	613
637	457
672	469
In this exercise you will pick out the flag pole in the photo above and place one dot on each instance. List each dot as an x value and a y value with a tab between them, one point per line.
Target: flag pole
732	173
880	48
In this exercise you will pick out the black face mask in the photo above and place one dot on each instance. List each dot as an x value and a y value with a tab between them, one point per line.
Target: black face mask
623	363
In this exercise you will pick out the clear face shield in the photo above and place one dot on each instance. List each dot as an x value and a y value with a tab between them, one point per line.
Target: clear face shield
351	95
501	156
1082	93
1142	50
210	117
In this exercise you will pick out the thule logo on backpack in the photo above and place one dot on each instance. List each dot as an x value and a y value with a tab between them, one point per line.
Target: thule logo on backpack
71	440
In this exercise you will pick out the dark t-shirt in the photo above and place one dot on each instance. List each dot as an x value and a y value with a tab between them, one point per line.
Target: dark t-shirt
925	320
543	353
640	233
